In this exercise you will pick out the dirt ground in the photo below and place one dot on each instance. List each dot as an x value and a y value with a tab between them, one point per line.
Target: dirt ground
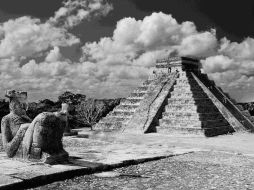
200	170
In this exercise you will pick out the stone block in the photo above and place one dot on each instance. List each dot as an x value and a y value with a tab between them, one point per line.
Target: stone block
8	181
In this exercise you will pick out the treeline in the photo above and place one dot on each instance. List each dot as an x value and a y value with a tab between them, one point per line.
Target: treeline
84	112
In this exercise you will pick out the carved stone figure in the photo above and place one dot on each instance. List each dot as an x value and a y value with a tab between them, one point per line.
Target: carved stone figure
65	116
37	140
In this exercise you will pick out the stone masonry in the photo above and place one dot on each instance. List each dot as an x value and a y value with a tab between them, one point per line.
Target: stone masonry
188	102
121	115
190	110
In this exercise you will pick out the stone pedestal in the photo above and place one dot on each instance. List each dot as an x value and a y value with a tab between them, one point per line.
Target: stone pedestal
65	115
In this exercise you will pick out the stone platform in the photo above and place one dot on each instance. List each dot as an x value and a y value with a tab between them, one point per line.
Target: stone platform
86	156
105	152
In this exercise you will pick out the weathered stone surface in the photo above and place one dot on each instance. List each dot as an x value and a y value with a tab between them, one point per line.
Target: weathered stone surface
234	122
202	170
117	119
149	111
65	117
39	140
8	181
190	103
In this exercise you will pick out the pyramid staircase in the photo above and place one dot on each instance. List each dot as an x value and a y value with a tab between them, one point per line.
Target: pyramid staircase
177	99
190	110
120	116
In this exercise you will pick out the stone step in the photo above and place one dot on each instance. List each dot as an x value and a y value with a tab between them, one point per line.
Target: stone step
114	119
131	107
176	94
187	90
130	102
192	123
137	94
185	80
191	108
109	126
208	132
185	74
183	77
187	85
148	82
142	88
135	98
121	113
189	100
182	131
192	116
204	103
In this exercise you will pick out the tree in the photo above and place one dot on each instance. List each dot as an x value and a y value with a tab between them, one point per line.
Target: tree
90	111
71	99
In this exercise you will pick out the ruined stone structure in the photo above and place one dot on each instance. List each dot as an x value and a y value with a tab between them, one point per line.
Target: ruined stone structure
178	98
34	140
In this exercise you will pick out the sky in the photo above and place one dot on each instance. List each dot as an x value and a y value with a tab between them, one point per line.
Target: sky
106	48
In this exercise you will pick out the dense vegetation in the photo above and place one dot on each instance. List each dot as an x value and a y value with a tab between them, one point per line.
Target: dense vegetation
84	112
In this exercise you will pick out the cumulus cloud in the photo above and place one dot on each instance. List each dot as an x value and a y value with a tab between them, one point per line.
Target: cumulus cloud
73	12
199	44
26	36
156	32
52	78
54	55
113	66
141	42
233	68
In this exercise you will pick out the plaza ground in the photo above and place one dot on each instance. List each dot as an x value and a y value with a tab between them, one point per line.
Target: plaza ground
198	161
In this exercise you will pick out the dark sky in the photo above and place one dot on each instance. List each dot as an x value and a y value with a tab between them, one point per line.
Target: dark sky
231	18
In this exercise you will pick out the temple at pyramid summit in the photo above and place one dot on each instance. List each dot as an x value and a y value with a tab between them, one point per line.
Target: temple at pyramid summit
177	98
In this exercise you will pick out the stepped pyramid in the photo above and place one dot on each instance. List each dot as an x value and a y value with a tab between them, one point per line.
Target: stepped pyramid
190	110
178	98
121	115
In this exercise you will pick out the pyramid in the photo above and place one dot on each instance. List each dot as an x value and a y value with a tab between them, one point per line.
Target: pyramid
121	115
177	98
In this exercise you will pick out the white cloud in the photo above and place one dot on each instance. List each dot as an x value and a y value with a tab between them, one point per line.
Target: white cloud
218	63
141	42
27	36
239	51
234	75
154	31
73	12
54	55
113	66
199	44
138	43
